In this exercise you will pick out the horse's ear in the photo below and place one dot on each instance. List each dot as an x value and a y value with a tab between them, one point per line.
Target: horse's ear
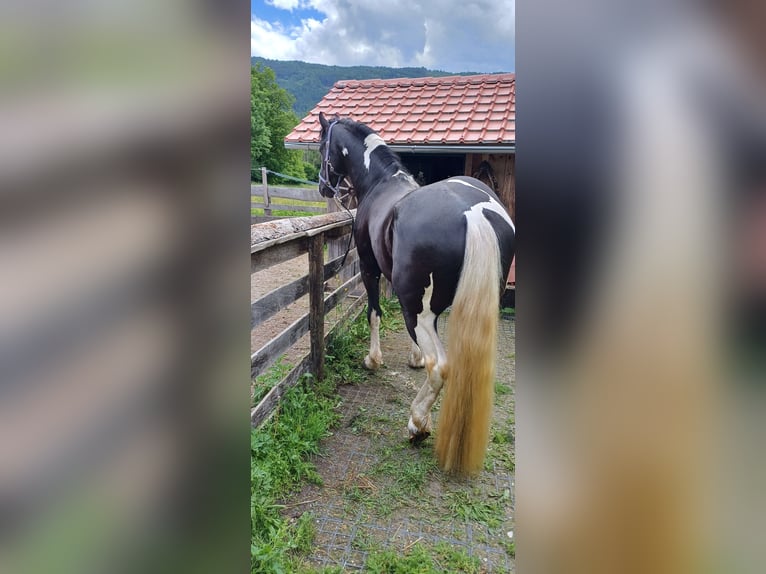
323	121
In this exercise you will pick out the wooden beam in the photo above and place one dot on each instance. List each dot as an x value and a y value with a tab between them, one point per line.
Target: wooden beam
316	304
265	259
301	193
331	269
334	298
267	405
293	207
273	302
275	203
264	179
468	166
262	218
261	260
265	235
277	300
266	355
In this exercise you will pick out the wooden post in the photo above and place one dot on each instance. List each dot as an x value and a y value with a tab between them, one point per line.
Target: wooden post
386	289
468	168
316	303
333	245
266	200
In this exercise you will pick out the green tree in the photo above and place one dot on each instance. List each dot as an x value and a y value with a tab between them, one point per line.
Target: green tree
312	162
260	134
271	119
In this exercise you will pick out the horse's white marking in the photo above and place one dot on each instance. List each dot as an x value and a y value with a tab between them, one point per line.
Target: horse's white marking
371	142
416	357
345	151
435	359
492	204
463	182
405	175
375	358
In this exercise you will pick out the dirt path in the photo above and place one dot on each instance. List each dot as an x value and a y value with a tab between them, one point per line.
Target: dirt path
272	278
379	492
265	281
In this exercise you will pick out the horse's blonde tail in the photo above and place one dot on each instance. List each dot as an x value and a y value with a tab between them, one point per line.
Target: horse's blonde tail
466	411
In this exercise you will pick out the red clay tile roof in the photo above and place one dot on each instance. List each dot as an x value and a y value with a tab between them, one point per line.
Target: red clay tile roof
451	110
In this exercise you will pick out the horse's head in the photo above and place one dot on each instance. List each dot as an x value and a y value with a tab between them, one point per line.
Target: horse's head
333	168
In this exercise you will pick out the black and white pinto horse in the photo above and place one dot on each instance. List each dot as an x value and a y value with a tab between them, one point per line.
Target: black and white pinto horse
447	243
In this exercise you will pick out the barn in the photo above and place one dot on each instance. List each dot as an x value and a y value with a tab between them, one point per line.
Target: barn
440	127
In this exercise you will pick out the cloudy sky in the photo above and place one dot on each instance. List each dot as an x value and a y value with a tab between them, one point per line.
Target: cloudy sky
449	35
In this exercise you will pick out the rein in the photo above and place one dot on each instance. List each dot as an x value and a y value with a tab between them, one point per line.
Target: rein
338	188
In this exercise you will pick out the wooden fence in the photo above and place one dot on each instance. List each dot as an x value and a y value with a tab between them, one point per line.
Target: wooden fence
278	241
270	198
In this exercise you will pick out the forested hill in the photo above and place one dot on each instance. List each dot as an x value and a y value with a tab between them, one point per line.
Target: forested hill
308	83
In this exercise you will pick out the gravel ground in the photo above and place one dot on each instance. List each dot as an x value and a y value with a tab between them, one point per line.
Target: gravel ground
379	492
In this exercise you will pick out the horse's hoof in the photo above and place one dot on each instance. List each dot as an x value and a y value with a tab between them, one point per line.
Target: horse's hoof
419	437
371	364
417	364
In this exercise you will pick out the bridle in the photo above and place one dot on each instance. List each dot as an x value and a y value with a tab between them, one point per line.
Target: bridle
340	190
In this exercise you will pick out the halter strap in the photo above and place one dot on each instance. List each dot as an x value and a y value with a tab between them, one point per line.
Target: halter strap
324	174
324	177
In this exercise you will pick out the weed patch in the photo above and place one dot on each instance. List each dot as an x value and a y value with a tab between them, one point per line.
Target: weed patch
502	388
510	547
476	509
279	451
267	380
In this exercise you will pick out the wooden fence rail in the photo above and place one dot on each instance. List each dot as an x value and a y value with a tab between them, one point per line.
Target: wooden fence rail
277	241
270	198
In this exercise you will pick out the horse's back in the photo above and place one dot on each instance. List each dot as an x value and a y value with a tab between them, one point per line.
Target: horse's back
429	238
434	216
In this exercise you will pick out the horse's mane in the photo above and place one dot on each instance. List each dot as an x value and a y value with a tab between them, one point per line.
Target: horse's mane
391	160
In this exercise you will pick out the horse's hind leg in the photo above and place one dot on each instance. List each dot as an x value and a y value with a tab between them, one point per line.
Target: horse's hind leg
374	358
416	360
435	360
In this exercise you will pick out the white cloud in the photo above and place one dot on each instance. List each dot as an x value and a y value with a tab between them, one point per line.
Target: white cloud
270	41
456	36
284	4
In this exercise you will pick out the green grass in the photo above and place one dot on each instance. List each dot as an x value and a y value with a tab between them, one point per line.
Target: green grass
281	212
399	479
286	212
502	388
406	470
474	508
510	547
422	559
369	423
395	481
280	449
266	381
500	449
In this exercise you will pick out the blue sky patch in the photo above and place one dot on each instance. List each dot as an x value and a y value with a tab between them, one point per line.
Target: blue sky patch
288	18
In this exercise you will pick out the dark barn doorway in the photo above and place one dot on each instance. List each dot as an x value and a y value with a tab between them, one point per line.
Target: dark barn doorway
428	168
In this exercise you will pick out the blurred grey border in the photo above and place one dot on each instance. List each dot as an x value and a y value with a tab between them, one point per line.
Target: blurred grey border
124	338
124	181
641	290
